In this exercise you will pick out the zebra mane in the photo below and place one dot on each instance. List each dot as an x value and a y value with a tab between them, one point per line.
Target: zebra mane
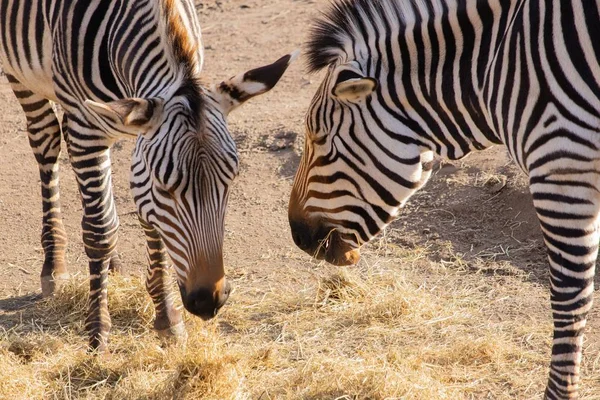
344	24
186	55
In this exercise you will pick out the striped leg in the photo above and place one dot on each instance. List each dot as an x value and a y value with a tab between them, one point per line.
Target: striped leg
567	206
99	224
44	137
115	261
168	322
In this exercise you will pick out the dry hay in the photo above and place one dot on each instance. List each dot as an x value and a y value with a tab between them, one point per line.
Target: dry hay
365	333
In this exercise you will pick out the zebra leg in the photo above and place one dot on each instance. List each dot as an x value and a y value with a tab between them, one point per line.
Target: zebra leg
168	322
99	223
115	261
567	208
44	138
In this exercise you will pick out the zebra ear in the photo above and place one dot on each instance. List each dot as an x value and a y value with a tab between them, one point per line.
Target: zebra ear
235	91
130	116
351	85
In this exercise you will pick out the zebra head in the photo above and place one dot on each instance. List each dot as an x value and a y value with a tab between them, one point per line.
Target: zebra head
359	166
183	165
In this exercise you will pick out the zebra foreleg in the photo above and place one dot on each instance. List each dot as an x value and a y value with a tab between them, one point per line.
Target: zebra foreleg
99	224
44	138
115	265
567	208
168	322
115	261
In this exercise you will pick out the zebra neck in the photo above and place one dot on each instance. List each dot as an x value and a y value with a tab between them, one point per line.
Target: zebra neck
446	51
144	48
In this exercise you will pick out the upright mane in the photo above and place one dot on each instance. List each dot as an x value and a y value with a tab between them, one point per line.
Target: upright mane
344	24
185	52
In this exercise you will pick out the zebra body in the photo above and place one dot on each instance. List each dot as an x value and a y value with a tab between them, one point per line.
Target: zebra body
130	69
407	79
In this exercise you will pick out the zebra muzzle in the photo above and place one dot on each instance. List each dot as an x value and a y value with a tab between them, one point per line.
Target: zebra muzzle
205	303
324	244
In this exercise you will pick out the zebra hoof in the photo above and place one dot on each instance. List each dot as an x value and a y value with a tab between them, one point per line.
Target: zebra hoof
174	335
115	266
51	283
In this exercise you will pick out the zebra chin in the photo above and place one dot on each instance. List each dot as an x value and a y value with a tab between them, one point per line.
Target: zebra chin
323	243
338	255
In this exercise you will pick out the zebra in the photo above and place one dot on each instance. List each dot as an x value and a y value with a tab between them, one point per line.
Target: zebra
131	69
409	78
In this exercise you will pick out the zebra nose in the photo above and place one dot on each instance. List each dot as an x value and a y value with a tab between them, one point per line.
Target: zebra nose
205	303
301	234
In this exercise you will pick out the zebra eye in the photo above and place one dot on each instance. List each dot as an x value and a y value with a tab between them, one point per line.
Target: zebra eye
318	139
164	193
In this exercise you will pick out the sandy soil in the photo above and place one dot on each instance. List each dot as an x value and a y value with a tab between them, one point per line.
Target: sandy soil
476	213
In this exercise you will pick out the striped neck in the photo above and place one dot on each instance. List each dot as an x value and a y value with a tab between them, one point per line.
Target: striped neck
432	57
170	44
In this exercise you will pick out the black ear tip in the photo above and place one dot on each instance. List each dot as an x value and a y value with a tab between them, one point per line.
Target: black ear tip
283	60
270	74
288	58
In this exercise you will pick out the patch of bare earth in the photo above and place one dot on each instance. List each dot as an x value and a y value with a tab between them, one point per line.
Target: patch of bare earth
451	302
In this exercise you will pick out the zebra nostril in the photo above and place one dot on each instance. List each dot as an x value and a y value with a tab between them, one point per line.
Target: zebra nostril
223	295
298	239
227	290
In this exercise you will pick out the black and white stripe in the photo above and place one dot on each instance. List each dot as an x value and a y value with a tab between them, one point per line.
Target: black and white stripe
409	78
130	68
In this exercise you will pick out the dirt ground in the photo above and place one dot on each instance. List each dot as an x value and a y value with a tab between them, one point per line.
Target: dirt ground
475	216
238	35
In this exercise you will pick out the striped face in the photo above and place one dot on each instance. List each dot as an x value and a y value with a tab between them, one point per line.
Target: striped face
183	165
358	168
180	180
